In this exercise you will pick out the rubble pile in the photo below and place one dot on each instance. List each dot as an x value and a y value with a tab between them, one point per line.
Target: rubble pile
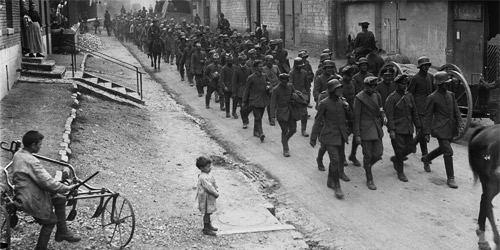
91	42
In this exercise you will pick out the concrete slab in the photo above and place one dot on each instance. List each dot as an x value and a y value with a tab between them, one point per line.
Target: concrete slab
244	210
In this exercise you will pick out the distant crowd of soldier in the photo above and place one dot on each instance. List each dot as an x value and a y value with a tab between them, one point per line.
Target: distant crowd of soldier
251	72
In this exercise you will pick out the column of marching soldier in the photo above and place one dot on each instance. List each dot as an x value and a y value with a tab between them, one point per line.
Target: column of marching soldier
252	73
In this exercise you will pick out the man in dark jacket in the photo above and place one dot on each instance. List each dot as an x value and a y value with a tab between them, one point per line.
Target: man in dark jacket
300	81
386	86
364	42
443	121
225	84
240	76
197	64
421	86
333	113
256	96
359	77
369	116
280	108
212	73
402	116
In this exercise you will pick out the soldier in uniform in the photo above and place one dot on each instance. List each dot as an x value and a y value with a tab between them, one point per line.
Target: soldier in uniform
197	65
300	82
212	72
256	97
282	57
281	96
402	116
330	125
225	83
272	72
443	121
307	67
240	75
386	86
359	78
364	42
421	86
369	116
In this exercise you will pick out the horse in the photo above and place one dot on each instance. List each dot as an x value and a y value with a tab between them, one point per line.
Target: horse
374	57
156	49
484	150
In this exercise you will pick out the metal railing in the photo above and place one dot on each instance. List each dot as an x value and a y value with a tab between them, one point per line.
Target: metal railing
106	57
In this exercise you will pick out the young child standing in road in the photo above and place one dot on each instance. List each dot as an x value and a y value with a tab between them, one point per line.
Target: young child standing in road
207	193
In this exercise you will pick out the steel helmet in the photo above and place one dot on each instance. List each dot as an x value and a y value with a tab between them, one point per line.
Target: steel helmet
441	77
362	60
332	85
323	57
298	62
328	63
423	60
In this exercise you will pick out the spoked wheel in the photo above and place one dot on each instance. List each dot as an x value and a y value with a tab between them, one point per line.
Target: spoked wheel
118	221
450	66
4	228
463	96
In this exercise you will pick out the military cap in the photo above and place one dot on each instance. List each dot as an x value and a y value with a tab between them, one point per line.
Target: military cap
362	60
284	76
323	57
303	53
402	79
371	80
252	51
269	57
328	63
387	71
423	61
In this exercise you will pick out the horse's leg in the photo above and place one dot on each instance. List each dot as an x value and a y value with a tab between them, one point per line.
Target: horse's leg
152	61
491	217
159	60
484	206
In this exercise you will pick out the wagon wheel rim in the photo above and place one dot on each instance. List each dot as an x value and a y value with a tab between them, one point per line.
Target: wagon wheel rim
394	65
463	97
4	228
450	66
118	223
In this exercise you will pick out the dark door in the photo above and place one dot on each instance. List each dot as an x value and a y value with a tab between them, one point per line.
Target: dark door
468	43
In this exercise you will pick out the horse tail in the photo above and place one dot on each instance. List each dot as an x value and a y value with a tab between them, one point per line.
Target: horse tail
472	152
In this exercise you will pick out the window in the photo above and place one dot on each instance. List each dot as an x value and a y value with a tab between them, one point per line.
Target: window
10	18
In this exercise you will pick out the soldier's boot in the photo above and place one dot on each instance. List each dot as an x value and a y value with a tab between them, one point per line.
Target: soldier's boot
303	127
448	164
336	185
211	227
321	167
427	158
352	157
398	165
62	232
44	237
342	174
206	230
369	177
286	149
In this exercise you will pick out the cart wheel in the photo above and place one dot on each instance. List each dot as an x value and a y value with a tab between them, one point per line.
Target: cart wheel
118	221
394	65
450	66
4	228
463	96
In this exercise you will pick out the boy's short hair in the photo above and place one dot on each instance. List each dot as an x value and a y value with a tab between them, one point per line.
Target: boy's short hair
31	137
202	161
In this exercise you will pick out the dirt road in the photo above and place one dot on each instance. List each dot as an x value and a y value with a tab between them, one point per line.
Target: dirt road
420	214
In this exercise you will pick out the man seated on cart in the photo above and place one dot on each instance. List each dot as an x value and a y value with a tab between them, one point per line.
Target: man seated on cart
38	194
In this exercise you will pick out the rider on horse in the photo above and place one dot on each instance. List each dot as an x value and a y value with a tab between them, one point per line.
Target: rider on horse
364	42
154	32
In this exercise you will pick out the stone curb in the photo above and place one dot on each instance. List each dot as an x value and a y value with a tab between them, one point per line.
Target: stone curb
65	151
